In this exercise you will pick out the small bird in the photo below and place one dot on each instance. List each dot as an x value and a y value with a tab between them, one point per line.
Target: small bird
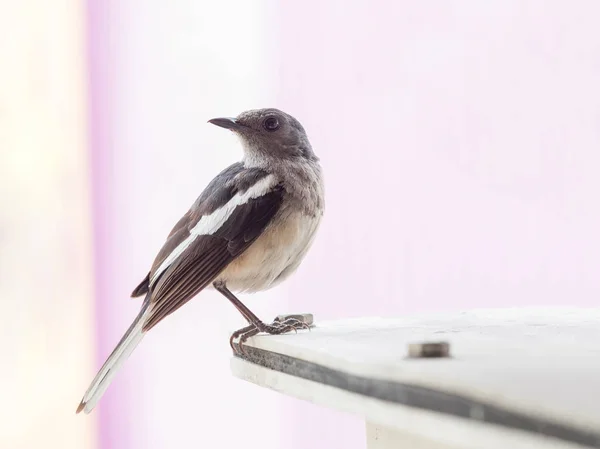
249	230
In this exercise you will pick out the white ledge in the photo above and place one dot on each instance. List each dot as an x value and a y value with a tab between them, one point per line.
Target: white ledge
519	377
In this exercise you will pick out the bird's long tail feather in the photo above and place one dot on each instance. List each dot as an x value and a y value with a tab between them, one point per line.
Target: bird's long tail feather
115	360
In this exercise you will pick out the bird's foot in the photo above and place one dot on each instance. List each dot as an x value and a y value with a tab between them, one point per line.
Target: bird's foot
243	334
281	325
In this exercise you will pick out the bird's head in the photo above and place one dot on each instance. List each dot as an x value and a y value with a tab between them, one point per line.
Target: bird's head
269	135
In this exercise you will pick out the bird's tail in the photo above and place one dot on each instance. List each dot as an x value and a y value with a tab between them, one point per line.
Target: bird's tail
114	361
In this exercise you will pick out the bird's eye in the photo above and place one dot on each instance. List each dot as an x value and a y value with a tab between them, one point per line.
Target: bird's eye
271	124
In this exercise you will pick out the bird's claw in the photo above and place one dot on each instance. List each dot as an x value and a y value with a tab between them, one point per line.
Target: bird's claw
280	325
239	334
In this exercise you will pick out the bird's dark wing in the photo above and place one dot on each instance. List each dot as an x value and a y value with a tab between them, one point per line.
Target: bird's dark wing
177	235
231	213
142	288
220	190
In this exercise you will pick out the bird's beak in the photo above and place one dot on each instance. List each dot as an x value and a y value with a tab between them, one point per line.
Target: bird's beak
225	122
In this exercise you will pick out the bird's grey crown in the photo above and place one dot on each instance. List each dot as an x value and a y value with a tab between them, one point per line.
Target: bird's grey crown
258	114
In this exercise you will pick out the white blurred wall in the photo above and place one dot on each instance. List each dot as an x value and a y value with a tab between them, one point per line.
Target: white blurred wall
46	272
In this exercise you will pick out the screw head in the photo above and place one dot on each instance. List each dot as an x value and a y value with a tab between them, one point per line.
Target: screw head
429	350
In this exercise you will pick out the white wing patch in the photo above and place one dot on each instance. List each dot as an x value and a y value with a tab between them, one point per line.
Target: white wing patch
211	223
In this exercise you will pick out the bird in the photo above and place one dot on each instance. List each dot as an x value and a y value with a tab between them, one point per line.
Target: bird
248	231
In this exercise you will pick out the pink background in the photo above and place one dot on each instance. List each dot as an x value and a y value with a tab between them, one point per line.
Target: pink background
460	142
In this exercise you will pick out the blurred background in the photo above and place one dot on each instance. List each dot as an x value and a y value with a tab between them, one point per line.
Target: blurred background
460	142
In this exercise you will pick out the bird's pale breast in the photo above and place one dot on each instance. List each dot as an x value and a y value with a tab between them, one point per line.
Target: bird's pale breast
274	255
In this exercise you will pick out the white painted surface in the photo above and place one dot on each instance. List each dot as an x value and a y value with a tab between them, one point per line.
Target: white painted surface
379	437
542	361
413	424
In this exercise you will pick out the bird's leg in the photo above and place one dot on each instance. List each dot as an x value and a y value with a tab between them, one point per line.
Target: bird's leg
278	326
245	311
